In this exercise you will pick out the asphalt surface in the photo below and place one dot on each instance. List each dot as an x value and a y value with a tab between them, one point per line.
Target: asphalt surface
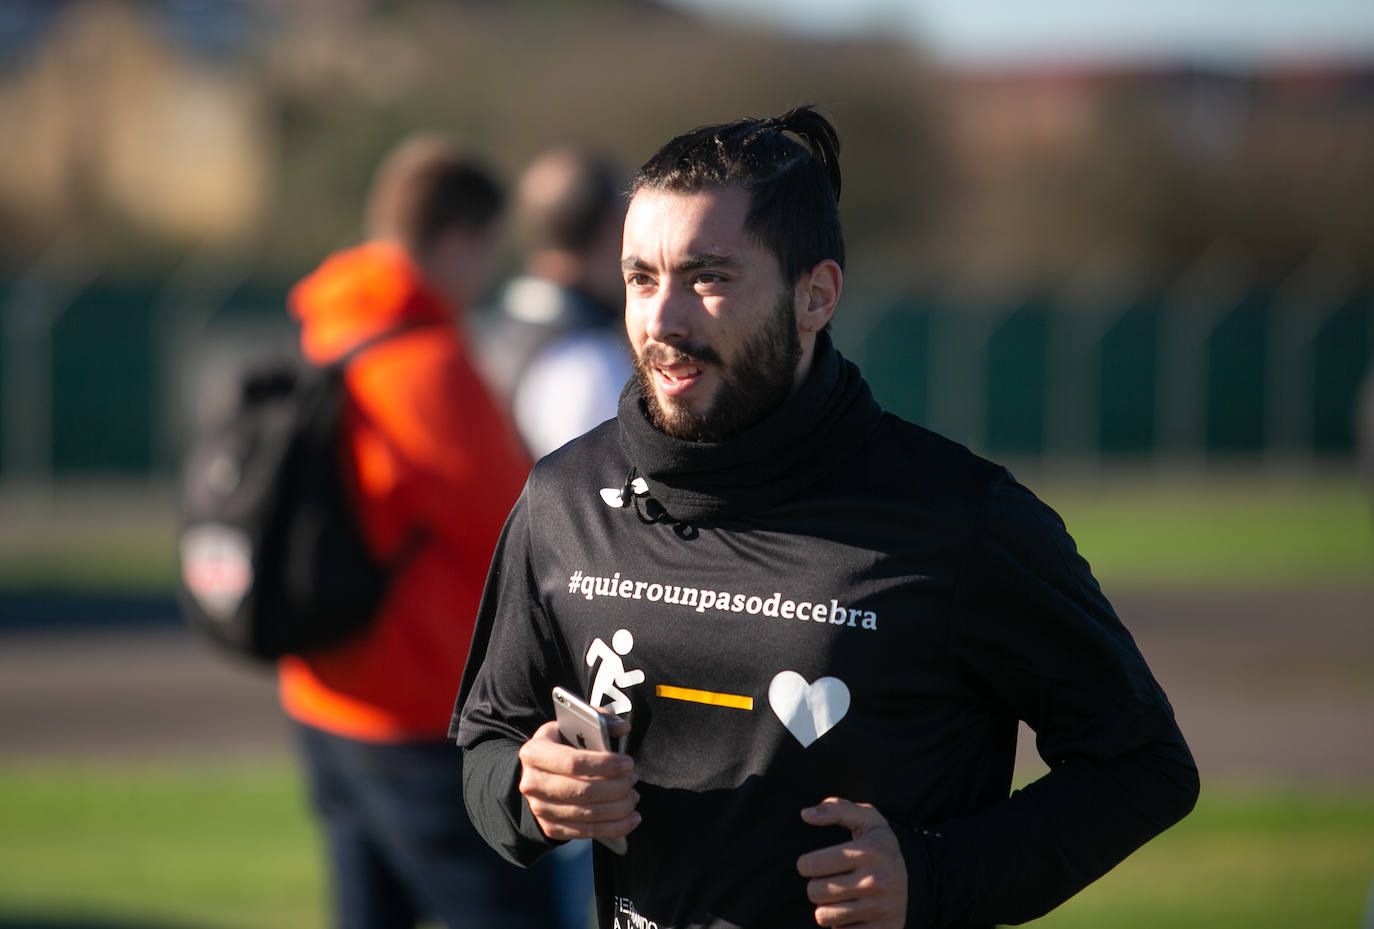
1276	687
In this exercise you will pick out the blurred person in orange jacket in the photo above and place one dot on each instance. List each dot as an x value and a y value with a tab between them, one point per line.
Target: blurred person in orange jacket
433	459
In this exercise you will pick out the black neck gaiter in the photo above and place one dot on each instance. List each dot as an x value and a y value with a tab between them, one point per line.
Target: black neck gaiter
790	449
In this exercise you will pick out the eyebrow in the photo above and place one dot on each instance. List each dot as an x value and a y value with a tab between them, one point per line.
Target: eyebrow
694	262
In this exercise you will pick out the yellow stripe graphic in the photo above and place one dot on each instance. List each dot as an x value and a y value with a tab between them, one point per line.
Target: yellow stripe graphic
734	701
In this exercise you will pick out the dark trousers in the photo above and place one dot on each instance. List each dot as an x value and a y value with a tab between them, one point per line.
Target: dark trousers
401	846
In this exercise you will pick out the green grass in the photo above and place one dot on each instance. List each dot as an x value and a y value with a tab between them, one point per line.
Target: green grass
112	539
137	559
1248	531
193	845
1245	859
176	845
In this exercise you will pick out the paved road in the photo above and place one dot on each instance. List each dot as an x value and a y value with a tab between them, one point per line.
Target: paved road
1265	686
132	692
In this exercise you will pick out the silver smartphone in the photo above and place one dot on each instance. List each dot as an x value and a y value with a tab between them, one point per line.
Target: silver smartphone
582	726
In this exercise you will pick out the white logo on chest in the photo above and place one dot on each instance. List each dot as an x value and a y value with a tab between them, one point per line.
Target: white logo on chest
808	711
614	496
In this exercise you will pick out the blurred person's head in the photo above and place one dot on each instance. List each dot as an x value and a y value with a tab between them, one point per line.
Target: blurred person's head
733	262
440	204
569	210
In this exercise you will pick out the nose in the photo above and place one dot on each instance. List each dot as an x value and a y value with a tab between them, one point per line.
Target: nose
666	315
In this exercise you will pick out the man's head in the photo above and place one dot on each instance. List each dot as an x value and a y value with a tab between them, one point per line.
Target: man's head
794	188
441	205
569	208
732	262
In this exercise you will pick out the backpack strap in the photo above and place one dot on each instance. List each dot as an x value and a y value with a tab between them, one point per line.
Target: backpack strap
385	335
416	537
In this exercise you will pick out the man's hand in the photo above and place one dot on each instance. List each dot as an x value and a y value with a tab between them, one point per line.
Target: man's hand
575	793
861	882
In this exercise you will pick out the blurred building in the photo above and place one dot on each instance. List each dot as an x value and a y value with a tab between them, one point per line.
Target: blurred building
121	127
1157	163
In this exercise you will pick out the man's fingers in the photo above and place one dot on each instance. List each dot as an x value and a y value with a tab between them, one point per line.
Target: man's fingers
609	812
575	808
575	793
836	811
580	818
616	726
546	751
564	788
837	888
836	859
861	915
858	900
556	829
577	827
859	883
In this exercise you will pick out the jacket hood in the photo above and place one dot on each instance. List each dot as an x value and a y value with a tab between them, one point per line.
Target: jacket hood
361	292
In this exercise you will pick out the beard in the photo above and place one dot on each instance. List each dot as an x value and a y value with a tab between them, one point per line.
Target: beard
756	384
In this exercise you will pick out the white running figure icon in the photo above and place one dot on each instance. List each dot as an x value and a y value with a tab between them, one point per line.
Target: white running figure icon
611	676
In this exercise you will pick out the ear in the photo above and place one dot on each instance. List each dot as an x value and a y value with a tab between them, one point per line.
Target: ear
818	291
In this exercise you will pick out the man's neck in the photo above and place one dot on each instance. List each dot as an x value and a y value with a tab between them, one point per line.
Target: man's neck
808	357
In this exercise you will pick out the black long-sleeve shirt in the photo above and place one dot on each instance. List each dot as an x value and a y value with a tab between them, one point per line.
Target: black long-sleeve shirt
874	635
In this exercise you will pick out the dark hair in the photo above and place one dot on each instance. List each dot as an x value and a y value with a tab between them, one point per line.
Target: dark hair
794	186
566	197
427	185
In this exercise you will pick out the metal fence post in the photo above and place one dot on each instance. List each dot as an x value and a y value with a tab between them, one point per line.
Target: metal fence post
959	337
182	309
1083	311
1198	301
1304	303
38	301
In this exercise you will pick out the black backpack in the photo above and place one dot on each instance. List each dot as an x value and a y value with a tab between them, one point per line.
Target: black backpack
271	553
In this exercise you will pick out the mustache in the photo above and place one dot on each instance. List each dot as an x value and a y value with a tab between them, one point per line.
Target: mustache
658	355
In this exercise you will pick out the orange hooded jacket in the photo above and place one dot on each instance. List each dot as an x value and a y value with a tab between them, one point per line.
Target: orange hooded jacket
429	450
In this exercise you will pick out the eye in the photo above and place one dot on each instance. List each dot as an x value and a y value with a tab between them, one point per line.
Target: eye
708	278
638	279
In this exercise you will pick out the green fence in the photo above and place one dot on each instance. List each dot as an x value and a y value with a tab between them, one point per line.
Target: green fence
1136	382
95	376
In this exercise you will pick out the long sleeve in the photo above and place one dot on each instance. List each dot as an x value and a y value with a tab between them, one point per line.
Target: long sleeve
1035	635
506	695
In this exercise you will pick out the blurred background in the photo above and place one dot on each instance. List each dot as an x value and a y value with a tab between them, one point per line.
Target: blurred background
1127	249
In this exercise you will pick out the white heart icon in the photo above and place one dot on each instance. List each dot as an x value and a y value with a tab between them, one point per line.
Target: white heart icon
808	711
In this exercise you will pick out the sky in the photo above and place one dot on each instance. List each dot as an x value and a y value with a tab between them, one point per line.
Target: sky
994	31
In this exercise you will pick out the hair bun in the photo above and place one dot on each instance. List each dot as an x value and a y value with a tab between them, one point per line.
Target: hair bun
816	133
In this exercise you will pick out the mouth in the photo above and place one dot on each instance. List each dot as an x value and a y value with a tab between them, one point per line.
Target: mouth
675	371
677	378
